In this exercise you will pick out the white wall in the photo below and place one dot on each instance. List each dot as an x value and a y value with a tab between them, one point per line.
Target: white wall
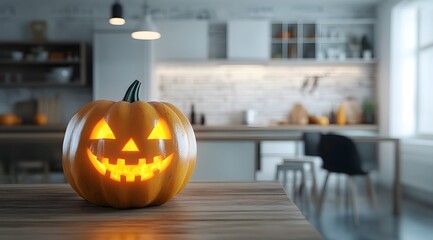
118	60
223	92
396	98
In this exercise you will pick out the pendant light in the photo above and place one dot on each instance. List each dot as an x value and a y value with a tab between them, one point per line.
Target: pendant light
116	14
146	29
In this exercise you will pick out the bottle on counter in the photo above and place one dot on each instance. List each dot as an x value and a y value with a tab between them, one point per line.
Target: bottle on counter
366	49
202	119
192	115
368	112
341	117
332	117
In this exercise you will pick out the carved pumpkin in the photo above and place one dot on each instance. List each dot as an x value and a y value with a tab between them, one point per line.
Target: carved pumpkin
129	153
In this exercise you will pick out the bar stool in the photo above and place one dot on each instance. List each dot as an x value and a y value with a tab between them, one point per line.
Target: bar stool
30	163
294	167
296	164
23	168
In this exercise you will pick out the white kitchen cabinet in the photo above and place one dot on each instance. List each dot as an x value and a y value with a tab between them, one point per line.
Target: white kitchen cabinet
118	60
248	40
323	40
225	161
182	40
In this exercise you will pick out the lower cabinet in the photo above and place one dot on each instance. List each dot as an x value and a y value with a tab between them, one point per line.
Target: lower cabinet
225	160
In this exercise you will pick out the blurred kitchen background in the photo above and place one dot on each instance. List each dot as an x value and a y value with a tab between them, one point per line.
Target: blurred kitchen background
244	69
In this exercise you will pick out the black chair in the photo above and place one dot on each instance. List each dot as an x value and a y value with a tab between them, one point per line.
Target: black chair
340	155
296	164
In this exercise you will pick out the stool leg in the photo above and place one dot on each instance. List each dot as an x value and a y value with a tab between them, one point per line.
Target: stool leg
285	179
313	184
347	190
369	189
353	200
337	191
305	192
294	185
12	174
322	195
46	176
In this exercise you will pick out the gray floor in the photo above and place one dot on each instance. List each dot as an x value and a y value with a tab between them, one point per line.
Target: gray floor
377	222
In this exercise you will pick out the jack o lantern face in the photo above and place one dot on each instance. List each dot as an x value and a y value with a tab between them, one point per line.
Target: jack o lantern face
130	159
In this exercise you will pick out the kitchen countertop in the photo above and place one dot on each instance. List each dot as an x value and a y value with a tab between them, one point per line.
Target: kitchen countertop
213	128
310	127
203	210
283	133
33	128
228	132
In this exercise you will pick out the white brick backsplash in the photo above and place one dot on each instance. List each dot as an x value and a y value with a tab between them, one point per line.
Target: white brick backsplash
223	92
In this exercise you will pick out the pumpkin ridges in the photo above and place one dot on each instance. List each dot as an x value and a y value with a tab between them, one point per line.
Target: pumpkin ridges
118	112
83	121
191	143
87	120
146	110
70	131
159	184
187	128
170	184
76	125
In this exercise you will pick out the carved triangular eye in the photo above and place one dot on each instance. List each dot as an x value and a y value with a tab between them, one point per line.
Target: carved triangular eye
160	131
102	131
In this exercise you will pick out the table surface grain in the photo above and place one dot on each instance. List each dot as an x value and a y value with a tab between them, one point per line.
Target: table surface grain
204	210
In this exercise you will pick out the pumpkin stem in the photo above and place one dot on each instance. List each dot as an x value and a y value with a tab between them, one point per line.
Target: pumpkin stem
132	92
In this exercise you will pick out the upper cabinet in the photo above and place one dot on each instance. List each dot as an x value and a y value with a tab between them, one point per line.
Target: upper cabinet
248	40
118	60
342	41
44	64
330	40
182	40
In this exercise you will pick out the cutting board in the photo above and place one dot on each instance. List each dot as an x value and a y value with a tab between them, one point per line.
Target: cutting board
50	107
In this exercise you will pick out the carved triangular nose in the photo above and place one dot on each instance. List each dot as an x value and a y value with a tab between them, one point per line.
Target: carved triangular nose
130	146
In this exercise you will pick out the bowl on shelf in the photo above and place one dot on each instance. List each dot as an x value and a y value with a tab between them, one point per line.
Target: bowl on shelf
59	75
17	55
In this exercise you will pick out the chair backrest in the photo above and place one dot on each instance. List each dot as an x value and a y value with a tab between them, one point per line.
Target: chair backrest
311	143
339	154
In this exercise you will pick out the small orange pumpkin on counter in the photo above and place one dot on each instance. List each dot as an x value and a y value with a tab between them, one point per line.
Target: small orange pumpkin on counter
129	153
9	119
40	119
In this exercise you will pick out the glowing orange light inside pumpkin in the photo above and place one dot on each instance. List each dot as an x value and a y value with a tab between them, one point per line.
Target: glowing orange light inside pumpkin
139	172
130	173
161	131
102	131
130	146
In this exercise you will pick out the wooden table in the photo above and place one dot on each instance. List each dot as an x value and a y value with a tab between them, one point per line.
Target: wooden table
204	210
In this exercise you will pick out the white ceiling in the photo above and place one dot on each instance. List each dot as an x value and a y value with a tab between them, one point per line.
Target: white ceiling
261	2
222	9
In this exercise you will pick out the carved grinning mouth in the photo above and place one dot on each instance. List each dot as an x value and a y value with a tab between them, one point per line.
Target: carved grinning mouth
130	173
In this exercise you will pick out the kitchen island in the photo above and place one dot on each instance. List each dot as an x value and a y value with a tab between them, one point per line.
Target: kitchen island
241	147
